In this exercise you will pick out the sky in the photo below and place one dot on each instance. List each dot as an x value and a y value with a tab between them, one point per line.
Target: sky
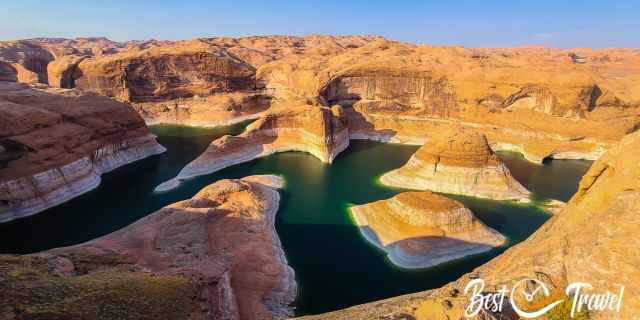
488	23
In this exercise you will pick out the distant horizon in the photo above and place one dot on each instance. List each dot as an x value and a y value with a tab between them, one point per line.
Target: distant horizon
472	24
328	35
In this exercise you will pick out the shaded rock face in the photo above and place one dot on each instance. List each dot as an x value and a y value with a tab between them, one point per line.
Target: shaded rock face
57	143
422	229
458	162
320	131
214	256
591	240
393	92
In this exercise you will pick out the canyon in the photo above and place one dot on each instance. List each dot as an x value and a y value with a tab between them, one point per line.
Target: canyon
422	229
587	241
73	109
542	102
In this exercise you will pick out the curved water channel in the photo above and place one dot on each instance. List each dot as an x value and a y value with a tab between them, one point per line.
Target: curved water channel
335	267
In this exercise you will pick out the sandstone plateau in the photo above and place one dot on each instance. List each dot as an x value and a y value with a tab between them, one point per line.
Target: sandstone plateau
542	102
214	256
458	162
591	240
318	131
423	229
55	144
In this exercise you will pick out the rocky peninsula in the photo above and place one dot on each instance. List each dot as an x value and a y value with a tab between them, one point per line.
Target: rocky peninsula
423	229
55	144
214	256
458	162
318	131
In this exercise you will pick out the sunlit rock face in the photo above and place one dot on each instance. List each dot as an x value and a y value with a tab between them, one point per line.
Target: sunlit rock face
423	229
319	131
56	143
458	162
214	256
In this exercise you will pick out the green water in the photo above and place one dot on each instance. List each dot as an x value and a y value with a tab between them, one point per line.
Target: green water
335	267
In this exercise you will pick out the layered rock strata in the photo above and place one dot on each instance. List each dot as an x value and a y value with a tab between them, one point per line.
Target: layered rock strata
543	102
55	144
318	131
422	229
590	240
214	256
458	162
534	100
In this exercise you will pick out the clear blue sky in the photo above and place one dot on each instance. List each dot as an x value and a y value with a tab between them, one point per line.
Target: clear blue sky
578	23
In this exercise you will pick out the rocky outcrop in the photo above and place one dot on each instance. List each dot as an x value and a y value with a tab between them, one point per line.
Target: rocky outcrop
458	162
319	131
56	143
214	256
422	229
590	240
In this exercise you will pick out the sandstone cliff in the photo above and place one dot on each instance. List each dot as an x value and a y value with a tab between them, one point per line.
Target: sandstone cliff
533	100
458	162
545	103
591	240
422	229
319	131
55	144
214	256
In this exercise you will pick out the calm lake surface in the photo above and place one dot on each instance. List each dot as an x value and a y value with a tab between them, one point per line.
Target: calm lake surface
335	267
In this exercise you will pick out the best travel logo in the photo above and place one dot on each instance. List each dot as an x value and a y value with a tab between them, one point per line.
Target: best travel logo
531	298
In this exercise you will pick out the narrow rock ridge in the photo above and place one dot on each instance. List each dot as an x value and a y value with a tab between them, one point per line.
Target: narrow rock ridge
319	131
214	256
55	143
458	162
423	229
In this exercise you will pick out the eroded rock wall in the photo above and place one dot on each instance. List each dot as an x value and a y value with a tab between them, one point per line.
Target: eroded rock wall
56	143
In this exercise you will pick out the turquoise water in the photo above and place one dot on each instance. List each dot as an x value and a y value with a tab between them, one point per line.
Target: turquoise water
335	267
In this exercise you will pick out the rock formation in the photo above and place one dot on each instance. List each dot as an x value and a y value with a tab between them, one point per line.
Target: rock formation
544	103
319	131
533	100
55	144
591	240
214	256
422	229
457	162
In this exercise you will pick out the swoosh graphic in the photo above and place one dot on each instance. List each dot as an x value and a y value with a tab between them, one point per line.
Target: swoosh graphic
533	314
